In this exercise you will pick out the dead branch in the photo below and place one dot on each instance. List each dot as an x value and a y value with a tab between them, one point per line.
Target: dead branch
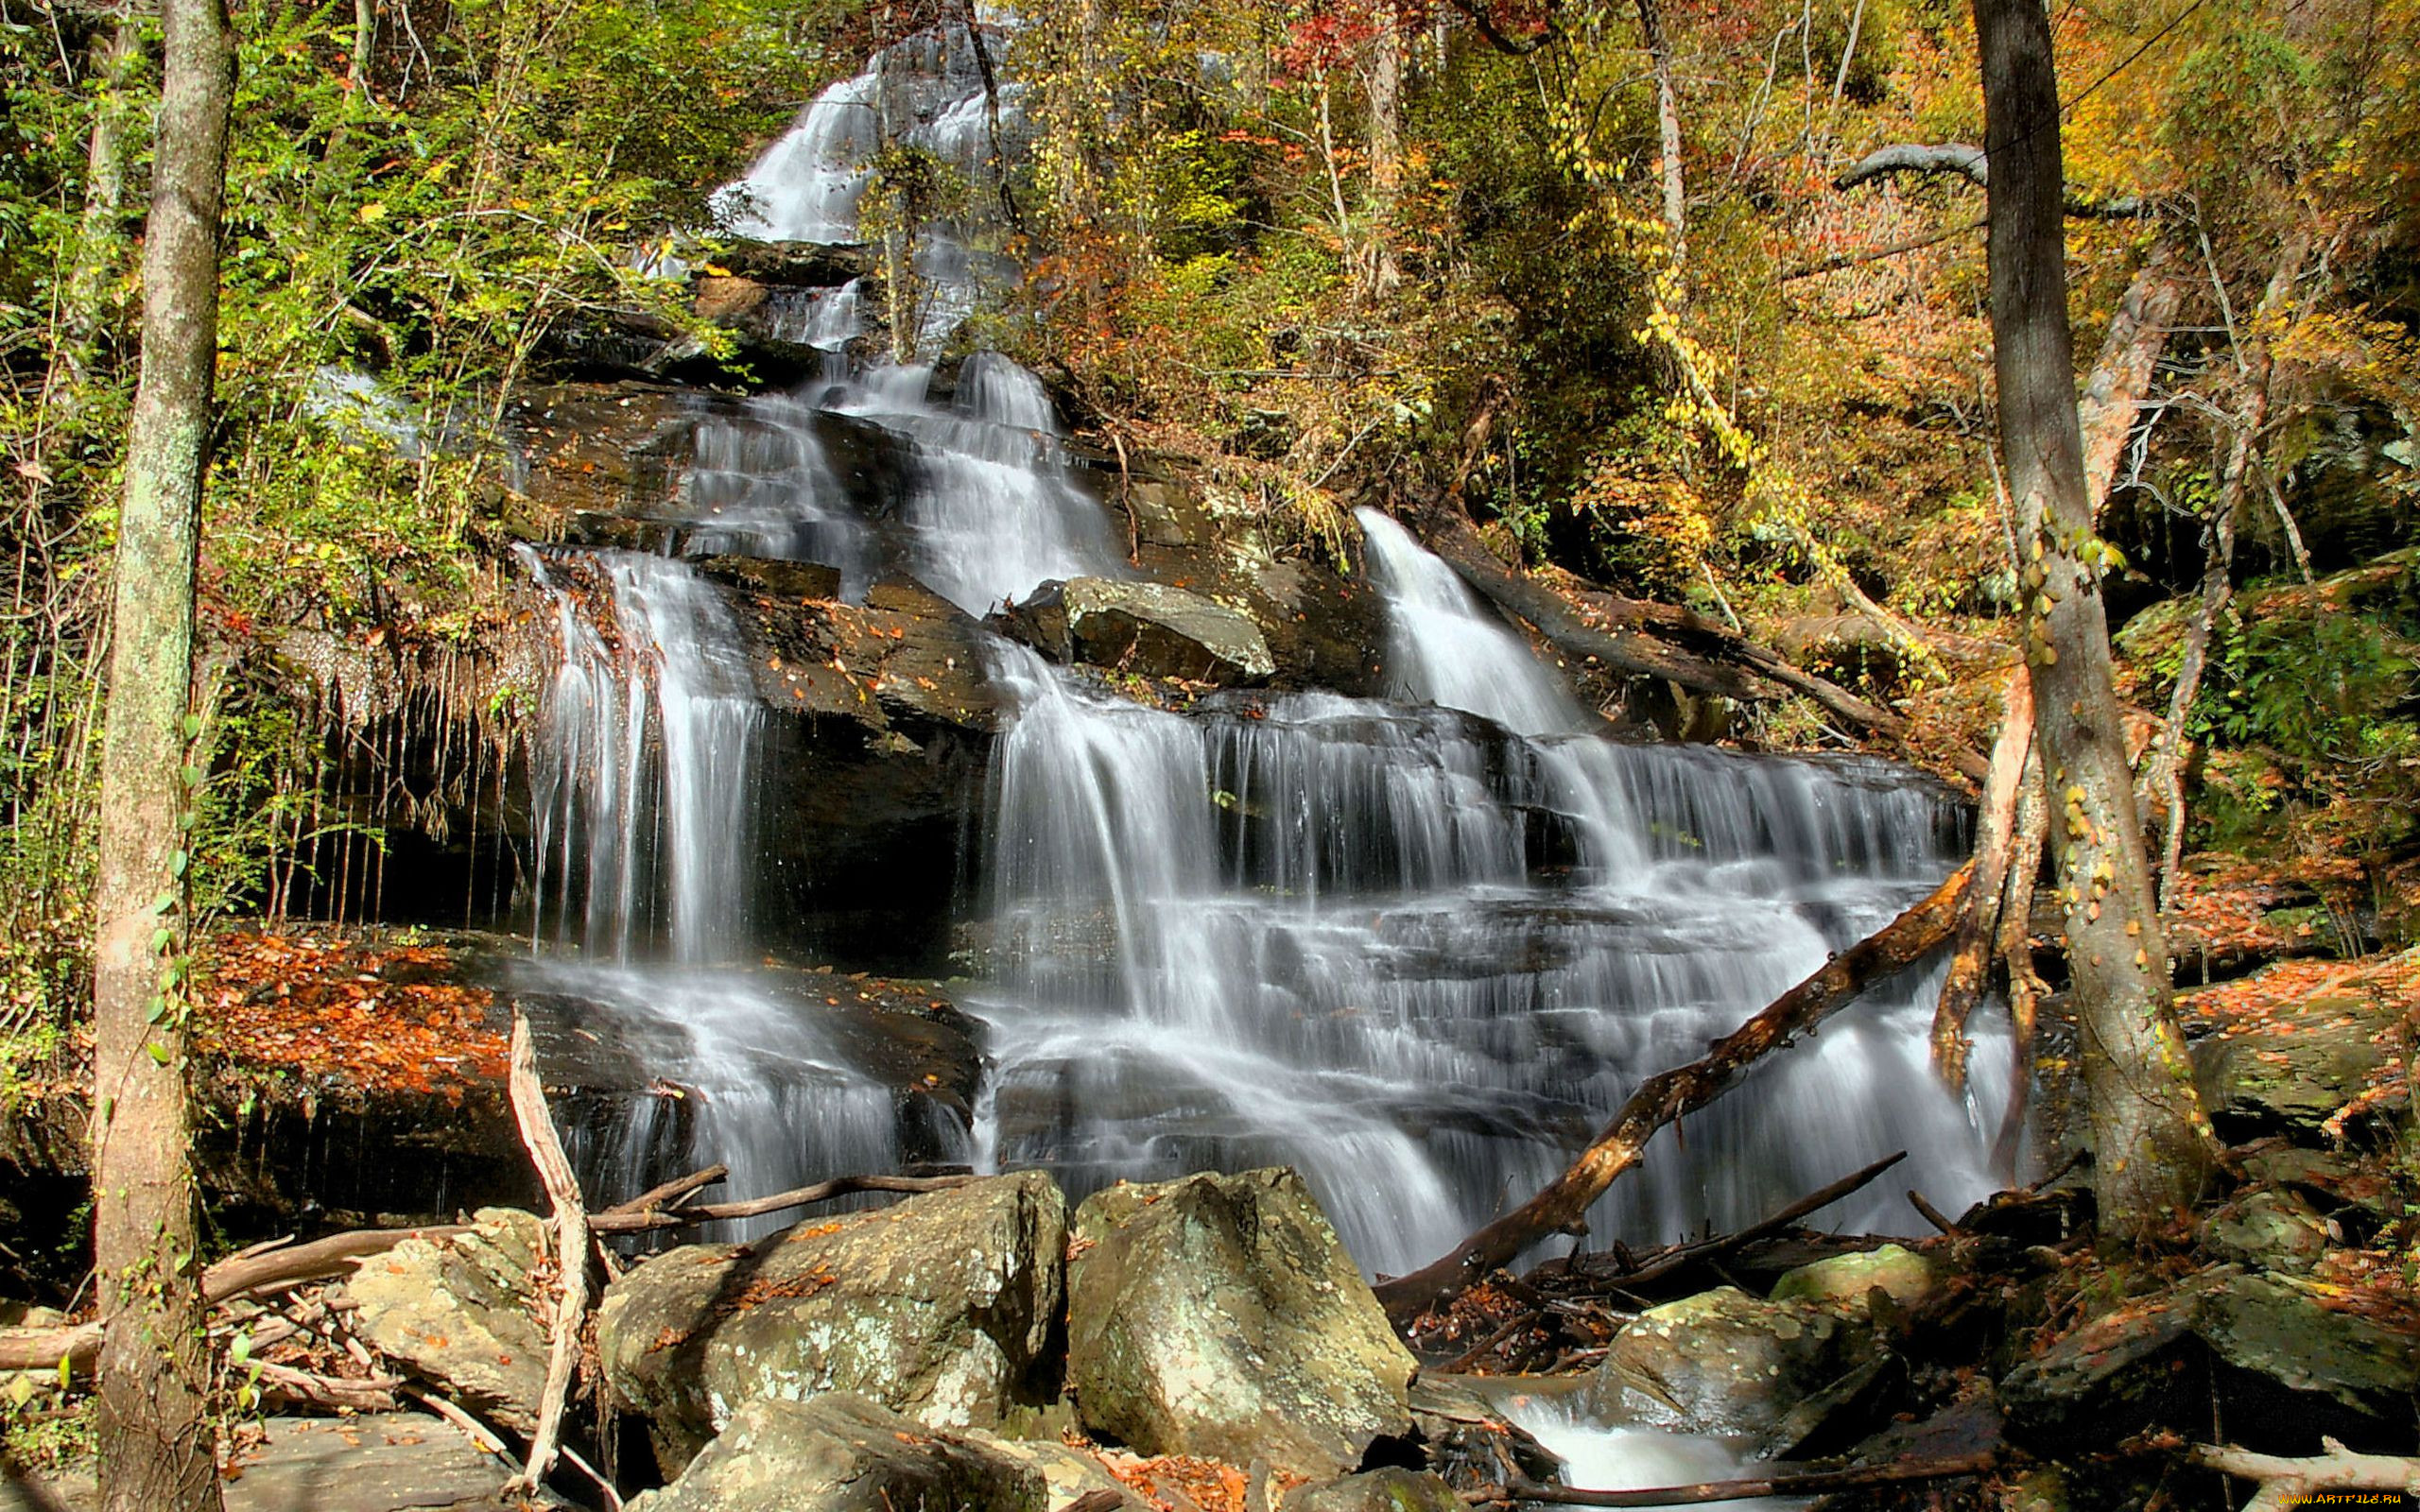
672	1194
1563	1206
2025	989
1808	1484
2285	1483
2121	374
1683	1256
528	1098
623	1221
285	1385
1965	160
1979	917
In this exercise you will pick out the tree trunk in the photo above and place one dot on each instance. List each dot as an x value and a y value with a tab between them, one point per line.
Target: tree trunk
2152	1145
1563	1206
100	239
2123	373
1668	129
1979	921
155	1444
1385	143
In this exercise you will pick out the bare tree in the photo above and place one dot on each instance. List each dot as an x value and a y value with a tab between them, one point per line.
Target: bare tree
156	1454
2152	1142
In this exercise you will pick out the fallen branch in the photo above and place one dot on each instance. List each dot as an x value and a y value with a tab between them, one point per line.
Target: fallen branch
2285	1483
1683	1256
228	1280
283	1384
1809	1483
1563	1206
624	1221
672	1194
528	1098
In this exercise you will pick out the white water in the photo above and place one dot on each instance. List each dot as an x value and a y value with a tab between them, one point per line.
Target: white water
1442	647
1597	1458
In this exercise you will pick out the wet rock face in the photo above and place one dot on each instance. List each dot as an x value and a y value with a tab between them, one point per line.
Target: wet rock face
1723	1362
842	1453
458	1311
940	1307
1218	1316
1386	1490
1848	1279
1143	627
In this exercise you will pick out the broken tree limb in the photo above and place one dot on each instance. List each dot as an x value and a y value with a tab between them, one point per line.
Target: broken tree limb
1683	1256
1970	956
2286	1483
2121	374
528	1098
1962	159
671	1194
624	1221
1657	639
1808	1484
2016	948
1563	1206
228	1280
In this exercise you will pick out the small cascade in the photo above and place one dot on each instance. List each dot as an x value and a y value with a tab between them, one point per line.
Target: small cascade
643	794
807	186
1443	648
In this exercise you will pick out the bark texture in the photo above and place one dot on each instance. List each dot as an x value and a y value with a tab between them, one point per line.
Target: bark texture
2123	373
1668	129
154	1436
2152	1143
1563	1206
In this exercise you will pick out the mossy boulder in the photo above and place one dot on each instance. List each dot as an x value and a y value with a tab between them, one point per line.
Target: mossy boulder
1723	1362
1386	1490
940	1307
1218	1316
2274	1229
1907	1276
1144	628
840	1452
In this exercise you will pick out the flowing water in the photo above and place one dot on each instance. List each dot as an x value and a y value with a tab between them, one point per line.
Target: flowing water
1418	947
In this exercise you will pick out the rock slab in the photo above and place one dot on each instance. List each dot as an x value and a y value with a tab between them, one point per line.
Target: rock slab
940	1307
461	1311
1723	1362
1218	1316
1145	627
841	1453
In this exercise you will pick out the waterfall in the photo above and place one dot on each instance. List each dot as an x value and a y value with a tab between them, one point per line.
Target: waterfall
1442	647
1421	956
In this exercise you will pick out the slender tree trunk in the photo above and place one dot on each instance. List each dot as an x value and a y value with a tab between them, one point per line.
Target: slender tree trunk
1385	143
156	1454
100	238
2123	373
1668	129
2152	1142
2166	773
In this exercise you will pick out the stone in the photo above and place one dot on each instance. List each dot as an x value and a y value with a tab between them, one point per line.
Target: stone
2107	1378
1723	1362
1143	627
2270	1228
2280	1327
378	1462
2319	1056
940	1307
1907	1276
462	1312
1387	1490
1069	1473
841	1453
1218	1316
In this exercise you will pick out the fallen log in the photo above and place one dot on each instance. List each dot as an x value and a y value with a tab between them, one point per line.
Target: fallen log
2287	1483
1563	1206
1683	1256
228	1280
623	1221
1809	1483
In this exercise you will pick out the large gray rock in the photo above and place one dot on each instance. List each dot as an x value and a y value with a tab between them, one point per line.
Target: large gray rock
1218	1316
2282	1327
2106	1379
1142	627
463	1312
2270	1228
1848	1279
940	1307
2322	1054
841	1453
1723	1362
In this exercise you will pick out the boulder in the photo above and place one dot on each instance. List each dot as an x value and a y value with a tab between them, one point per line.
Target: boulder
1723	1362
1907	1276
463	1312
1068	1474
1145	627
2106	1379
2296	1070
1218	1316
2270	1228
940	1307
840	1452
1386	1490
2281	1327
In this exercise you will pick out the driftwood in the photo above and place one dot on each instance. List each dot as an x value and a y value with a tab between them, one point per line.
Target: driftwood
1563	1206
2286	1483
1807	1484
1970	956
1657	639
529	1098
628	1219
1680	1257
